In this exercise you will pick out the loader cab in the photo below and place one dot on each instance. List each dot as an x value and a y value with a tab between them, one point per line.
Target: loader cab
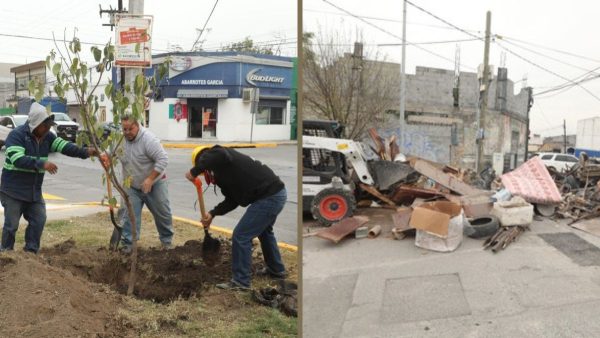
320	166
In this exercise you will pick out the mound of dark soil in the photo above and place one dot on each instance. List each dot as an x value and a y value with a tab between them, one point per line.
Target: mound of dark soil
162	275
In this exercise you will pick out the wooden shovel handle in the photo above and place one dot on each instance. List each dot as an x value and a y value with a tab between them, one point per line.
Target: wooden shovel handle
198	184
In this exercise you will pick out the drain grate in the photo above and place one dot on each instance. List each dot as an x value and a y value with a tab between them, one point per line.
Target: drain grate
576	248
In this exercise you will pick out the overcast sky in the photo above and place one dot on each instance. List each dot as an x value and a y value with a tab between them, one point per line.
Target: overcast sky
530	29
175	23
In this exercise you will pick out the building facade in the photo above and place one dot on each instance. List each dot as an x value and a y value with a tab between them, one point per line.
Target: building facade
223	96
442	112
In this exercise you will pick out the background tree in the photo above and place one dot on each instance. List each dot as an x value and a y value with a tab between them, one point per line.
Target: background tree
247	45
71	72
354	88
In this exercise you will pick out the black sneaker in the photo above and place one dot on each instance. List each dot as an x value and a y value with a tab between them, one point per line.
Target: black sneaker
231	285
264	272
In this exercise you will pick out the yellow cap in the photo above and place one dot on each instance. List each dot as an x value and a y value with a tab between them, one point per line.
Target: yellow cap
197	151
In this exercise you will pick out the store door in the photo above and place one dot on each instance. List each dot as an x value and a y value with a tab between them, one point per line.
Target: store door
202	120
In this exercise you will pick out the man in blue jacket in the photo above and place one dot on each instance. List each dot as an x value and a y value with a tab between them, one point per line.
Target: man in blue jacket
27	149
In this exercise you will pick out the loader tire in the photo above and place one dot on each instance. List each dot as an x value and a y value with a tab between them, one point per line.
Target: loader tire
332	205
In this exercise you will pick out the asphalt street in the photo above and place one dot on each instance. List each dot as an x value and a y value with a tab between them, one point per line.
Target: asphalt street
546	284
80	181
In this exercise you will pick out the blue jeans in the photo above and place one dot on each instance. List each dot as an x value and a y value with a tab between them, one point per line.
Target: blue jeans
258	222
157	201
33	212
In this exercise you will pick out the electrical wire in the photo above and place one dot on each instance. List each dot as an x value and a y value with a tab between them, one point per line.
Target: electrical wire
205	23
392	34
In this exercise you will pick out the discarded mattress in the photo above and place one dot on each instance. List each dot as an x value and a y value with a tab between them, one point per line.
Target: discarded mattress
532	181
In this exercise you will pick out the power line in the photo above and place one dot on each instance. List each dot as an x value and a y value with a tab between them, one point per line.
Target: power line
541	54
506	49
205	23
503	37
546	70
444	21
61	40
381	19
392	34
423	43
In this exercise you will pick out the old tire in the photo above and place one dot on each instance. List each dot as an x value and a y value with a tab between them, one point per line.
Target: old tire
332	205
481	227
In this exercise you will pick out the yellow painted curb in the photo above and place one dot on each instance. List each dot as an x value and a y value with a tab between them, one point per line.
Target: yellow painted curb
228	232
227	145
223	231
52	197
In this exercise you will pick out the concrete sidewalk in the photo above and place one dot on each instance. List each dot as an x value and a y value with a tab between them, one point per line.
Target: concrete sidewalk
387	288
193	143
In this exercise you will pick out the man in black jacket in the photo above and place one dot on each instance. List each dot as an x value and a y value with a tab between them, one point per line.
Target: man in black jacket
245	181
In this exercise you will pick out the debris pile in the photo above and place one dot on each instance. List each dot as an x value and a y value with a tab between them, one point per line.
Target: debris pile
438	204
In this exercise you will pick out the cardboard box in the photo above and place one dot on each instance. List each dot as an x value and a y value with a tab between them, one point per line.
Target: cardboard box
439	225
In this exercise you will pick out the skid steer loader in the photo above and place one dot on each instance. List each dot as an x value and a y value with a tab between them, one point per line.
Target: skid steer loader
332	169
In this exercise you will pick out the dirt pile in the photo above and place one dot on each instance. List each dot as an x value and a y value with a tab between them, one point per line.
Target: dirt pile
38	300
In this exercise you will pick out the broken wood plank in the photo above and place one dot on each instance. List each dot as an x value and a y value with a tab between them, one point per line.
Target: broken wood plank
446	180
337	231
371	190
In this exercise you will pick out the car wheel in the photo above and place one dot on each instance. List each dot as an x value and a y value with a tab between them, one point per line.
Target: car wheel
481	227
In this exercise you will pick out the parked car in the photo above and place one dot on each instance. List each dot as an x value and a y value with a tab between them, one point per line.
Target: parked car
560	162
65	127
107	129
8	123
13	121
3	135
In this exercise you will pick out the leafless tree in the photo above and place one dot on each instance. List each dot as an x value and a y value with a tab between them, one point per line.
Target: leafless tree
354	88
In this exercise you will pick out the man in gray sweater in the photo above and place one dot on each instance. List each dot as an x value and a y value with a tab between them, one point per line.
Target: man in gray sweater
145	160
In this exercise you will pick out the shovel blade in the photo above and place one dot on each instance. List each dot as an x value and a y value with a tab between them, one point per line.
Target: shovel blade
211	250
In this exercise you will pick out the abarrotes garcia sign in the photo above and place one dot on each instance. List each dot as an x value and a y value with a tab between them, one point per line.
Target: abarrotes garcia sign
253	77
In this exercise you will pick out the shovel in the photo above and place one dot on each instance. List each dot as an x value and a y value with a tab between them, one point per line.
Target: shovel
210	246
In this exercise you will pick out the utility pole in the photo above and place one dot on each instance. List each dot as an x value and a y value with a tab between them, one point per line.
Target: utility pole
403	80
484	93
136	7
357	56
565	136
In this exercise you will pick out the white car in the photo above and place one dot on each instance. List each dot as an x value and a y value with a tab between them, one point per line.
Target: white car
560	162
3	135
8	123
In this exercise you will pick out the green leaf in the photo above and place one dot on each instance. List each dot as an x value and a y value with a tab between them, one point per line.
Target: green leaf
77	45
56	69
113	201
48	62
84	70
127	181
108	90
137	48
84	85
74	65
31	86
97	53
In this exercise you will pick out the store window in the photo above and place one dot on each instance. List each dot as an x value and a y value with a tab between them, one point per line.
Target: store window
271	112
